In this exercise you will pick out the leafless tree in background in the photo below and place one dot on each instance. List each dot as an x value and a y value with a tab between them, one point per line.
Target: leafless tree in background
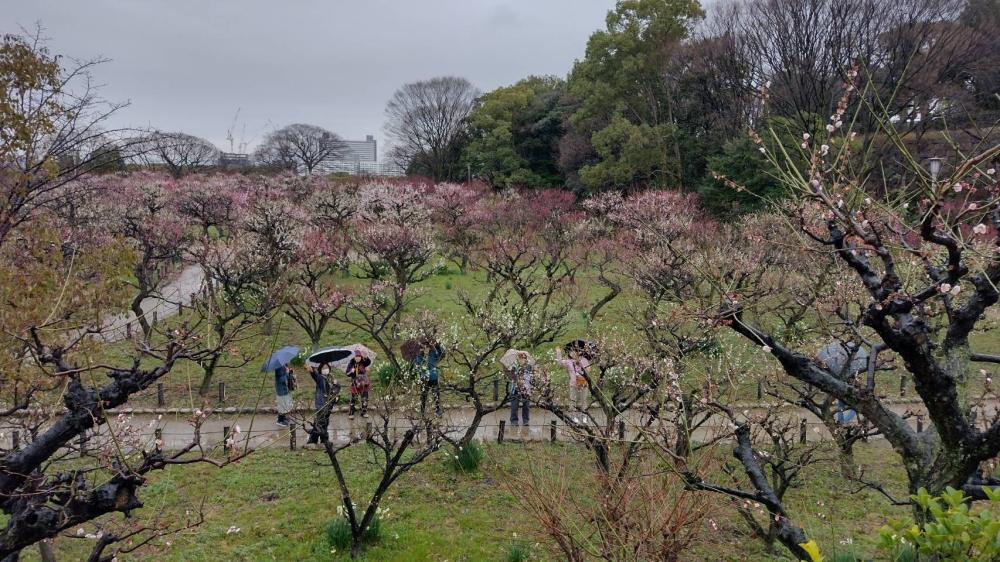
51	128
179	153
300	147
424	119
804	49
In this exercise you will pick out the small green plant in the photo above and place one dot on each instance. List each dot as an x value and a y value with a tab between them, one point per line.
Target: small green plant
952	532
518	551
468	458
386	374
903	553
447	285
338	531
845	556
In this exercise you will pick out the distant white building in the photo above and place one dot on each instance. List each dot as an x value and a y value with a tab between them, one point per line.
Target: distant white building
360	159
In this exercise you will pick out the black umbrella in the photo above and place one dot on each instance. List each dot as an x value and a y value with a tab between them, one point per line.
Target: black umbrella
584	347
331	355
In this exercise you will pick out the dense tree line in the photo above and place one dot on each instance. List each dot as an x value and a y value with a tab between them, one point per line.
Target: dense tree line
667	90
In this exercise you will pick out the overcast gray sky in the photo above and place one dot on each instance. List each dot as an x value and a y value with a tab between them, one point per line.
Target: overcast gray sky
187	65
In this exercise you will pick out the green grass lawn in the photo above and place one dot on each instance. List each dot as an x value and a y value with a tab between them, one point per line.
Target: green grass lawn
281	501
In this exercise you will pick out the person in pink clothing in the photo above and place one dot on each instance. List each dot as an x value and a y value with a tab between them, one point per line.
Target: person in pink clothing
576	365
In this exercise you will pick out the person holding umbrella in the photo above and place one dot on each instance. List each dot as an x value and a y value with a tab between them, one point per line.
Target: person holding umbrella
284	380
327	394
357	371
520	369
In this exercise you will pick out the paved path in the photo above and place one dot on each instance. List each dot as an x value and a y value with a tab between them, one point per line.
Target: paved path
259	430
173	295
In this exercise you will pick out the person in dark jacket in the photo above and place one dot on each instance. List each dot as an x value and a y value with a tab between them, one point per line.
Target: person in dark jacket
327	394
520	382
284	395
426	364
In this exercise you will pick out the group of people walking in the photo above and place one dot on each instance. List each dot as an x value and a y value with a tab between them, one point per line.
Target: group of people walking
423	355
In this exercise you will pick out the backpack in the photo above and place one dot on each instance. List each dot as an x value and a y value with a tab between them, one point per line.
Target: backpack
292	383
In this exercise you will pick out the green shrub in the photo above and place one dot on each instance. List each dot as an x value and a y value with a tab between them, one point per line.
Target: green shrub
468	458
338	531
952	532
518	551
386	374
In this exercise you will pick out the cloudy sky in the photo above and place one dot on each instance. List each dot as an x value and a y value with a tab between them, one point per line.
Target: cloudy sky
188	65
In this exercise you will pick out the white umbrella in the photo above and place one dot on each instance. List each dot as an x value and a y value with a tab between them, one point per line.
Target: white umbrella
509	359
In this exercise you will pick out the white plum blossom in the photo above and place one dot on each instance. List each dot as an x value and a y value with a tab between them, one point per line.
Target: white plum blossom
957	187
991	171
944	288
829	128
979	228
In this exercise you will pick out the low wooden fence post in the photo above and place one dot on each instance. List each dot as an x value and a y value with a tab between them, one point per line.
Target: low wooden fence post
802	431
225	438
158	435
17	440
621	430
222	392
500	431
291	437
496	390
920	424
902	385
552	431
160	399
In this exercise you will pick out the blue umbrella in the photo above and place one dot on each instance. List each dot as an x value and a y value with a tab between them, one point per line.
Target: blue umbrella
280	358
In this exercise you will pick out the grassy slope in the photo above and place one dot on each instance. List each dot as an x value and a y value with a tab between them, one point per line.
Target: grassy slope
437	514
247	387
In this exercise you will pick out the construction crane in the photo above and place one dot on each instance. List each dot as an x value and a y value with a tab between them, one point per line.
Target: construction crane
231	138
